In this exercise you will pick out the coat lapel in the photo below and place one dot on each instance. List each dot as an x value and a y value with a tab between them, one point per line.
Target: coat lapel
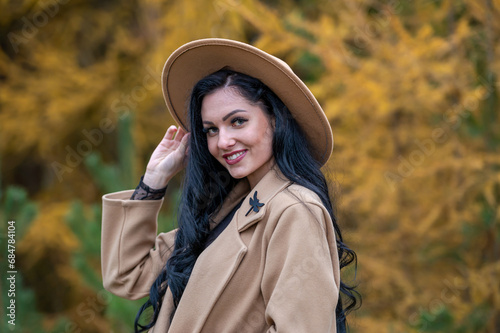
212	271
271	184
218	263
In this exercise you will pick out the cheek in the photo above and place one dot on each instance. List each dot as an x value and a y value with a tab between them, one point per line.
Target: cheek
268	141
212	146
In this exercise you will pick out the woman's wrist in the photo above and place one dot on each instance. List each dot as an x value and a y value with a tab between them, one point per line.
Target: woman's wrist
145	192
155	181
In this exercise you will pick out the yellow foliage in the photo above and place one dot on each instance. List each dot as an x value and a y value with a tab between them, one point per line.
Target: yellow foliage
409	178
48	236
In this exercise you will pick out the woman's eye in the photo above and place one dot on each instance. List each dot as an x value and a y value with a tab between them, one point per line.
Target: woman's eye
211	131
238	121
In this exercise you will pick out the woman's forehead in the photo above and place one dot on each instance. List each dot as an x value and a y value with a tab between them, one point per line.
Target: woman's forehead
222	104
222	100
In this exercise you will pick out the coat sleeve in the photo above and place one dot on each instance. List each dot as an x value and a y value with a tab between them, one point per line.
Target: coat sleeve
302	277
132	255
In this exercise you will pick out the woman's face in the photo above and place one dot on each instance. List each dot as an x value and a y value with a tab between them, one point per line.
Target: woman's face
239	134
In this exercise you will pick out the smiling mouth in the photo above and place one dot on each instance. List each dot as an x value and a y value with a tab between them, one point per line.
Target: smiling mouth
234	157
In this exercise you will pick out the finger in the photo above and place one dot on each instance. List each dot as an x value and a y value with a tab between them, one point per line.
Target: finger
169	135
184	142
180	134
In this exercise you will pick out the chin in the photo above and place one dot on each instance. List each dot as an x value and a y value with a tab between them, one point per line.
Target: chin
238	174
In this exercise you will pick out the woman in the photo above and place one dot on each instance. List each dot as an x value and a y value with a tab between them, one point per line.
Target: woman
258	248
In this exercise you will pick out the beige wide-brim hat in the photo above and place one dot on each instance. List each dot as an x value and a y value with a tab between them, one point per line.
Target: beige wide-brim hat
193	61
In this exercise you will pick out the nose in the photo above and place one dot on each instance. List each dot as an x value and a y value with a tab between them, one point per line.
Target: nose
226	140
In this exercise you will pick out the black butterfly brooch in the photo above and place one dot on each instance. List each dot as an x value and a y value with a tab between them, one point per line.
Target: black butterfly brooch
254	202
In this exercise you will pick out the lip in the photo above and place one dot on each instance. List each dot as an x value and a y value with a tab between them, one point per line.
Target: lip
236	160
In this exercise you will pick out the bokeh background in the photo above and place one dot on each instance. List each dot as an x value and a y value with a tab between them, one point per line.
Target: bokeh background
410	89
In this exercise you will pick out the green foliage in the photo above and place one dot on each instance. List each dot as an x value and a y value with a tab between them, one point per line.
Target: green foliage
122	313
86	259
116	177
85	223
442	320
15	206
439	321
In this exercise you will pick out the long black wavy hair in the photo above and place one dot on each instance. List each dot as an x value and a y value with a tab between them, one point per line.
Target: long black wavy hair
207	183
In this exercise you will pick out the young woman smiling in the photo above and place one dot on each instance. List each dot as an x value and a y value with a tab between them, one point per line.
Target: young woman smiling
257	248
239	134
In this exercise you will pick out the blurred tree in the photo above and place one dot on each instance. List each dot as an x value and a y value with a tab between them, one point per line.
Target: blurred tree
20	211
410	90
82	65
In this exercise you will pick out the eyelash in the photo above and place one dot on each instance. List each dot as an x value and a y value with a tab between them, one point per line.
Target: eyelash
206	130
235	120
239	119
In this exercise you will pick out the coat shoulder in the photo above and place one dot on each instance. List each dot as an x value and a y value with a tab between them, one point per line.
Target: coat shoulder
296	194
299	202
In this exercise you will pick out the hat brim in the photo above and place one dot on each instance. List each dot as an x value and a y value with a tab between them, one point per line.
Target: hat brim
197	59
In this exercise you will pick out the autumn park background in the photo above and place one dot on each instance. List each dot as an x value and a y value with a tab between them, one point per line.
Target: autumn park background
410	89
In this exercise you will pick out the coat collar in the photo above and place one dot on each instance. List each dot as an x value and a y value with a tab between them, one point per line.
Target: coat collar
225	254
272	183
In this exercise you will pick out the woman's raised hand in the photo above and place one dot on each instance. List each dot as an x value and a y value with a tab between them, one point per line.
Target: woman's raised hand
169	157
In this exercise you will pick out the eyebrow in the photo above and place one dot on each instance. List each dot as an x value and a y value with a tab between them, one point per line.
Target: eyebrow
226	116
231	113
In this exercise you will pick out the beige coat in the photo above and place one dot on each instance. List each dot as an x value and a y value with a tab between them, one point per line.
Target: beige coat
275	270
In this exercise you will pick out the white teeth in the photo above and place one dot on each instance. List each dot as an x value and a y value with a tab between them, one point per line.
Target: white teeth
234	156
